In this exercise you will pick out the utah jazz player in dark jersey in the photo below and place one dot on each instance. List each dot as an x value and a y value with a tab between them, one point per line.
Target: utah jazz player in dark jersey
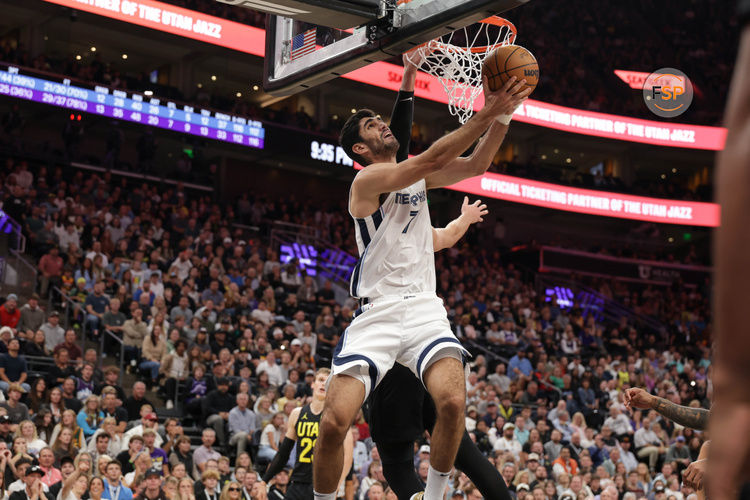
302	429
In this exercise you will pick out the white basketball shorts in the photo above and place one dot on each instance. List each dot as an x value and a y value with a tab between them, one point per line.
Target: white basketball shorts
409	329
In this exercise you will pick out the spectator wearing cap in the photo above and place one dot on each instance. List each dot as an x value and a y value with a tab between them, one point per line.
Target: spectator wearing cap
33	486
220	338
627	457
216	408
10	315
6	435
678	454
508	442
152	489
67	467
32	316
13	368
149	422
54	334
423	453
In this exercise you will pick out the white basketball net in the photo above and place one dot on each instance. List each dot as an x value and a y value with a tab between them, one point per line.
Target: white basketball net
456	60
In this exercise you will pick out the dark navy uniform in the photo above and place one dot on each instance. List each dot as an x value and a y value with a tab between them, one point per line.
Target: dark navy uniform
300	483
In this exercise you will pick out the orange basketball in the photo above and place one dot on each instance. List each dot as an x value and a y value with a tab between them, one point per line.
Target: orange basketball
507	61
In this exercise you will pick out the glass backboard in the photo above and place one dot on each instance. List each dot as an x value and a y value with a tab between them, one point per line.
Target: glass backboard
300	54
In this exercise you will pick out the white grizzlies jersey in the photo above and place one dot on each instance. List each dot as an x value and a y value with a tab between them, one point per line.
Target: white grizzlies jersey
395	247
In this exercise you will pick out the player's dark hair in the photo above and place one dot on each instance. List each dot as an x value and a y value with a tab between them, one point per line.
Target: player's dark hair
350	135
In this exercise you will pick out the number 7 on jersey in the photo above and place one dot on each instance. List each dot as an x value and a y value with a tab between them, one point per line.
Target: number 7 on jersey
413	215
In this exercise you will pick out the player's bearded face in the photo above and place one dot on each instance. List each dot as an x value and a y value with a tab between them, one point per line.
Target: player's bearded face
384	144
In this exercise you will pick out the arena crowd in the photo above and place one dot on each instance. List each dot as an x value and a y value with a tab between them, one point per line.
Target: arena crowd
214	322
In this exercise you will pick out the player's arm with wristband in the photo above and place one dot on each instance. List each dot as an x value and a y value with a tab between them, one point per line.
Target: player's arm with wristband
446	237
285	448
481	157
385	177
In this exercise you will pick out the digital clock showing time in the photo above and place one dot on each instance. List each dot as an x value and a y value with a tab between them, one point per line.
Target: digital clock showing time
329	153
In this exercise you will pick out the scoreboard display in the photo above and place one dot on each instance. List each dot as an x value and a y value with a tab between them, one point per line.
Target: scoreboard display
130	106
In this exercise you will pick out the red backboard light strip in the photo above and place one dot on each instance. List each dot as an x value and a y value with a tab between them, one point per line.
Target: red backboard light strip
251	40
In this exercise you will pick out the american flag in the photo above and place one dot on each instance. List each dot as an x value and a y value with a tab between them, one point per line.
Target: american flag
303	44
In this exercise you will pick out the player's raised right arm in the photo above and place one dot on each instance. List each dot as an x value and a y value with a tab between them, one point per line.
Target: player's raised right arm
387	177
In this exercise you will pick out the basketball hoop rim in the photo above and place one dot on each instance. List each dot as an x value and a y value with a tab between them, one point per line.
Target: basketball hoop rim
498	21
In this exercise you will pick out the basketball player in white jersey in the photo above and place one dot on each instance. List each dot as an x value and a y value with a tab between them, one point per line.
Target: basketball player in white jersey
402	319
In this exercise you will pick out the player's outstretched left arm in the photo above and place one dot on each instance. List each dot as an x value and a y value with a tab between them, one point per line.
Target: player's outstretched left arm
285	448
446	237
480	159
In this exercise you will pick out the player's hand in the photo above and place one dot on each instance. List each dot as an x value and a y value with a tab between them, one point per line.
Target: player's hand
693	475
473	212
507	98
413	58
638	398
